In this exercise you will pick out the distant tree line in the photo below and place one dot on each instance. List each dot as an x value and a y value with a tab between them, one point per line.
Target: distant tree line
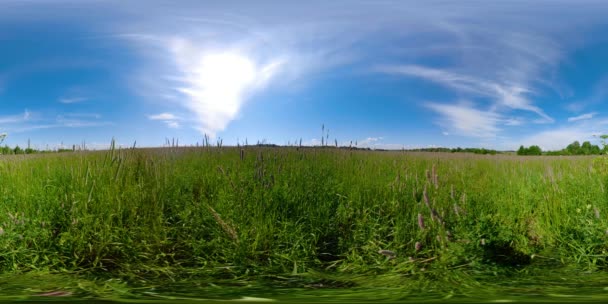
456	150
532	150
6	150
16	150
574	148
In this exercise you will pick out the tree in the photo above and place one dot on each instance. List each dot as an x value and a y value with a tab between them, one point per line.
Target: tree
586	148
574	148
535	150
522	151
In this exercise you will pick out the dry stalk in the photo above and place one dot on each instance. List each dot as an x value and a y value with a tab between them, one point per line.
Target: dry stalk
225	226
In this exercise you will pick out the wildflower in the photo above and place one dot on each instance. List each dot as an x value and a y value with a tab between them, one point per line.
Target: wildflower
436	217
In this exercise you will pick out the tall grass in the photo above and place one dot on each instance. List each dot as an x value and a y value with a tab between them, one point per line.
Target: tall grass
245	213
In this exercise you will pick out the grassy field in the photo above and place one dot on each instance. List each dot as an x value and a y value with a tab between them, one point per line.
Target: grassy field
148	221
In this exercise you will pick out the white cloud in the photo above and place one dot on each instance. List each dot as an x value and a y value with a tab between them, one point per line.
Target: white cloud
377	142
370	141
465	120
558	138
598	95
170	119
71	121
507	95
216	84
69	100
514	121
172	124
163	116
83	115
15	119
585	116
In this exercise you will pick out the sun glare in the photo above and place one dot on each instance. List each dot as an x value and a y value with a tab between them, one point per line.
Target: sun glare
220	80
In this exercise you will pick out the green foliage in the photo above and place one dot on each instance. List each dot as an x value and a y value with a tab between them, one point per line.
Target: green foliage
532	150
576	148
456	150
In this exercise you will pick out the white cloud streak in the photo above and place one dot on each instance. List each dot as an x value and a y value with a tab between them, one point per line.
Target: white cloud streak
163	116
582	117
465	120
70	100
171	120
510	96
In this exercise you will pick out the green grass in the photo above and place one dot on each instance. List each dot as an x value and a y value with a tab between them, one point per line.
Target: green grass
310	219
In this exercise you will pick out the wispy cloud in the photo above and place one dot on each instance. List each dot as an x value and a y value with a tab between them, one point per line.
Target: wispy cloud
598	94
83	115
163	116
32	121
464	119
369	141
69	100
171	120
17	118
582	117
507	95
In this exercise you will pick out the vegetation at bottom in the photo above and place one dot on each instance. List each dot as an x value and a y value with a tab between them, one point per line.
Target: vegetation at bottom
299	217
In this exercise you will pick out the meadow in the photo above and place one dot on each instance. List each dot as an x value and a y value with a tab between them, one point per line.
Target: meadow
298	223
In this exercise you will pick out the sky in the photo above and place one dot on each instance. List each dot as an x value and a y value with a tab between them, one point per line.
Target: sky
378	73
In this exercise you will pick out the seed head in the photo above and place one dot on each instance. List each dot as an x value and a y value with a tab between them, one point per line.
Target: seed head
420	221
387	253
456	210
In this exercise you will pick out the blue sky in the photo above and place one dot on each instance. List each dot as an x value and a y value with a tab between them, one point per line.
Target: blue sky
384	74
